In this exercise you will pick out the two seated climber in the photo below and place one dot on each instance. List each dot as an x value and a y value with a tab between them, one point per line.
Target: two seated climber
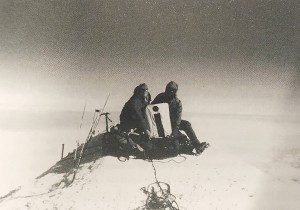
133	119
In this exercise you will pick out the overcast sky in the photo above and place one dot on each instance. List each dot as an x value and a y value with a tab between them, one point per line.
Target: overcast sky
227	56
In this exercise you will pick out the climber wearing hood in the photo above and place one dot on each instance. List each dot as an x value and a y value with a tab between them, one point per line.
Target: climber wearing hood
175	107
133	113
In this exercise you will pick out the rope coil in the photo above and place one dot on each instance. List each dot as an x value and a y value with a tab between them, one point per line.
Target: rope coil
159	197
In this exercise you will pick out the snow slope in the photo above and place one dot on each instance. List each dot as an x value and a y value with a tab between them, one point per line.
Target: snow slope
213	180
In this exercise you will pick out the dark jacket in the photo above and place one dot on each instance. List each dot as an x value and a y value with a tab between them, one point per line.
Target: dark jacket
175	107
133	113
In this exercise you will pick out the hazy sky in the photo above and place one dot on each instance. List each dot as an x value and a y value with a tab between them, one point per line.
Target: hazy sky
227	56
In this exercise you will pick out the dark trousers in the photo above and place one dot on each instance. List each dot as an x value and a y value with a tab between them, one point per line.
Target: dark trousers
187	128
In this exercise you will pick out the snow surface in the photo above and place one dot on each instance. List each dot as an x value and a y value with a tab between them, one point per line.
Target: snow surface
213	180
252	164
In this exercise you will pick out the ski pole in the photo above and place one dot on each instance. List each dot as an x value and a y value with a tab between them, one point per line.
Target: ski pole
95	123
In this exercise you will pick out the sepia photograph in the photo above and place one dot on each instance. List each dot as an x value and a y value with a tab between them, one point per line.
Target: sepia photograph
149	104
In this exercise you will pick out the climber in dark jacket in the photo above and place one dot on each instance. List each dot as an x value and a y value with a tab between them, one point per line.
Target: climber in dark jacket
175	107
133	113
